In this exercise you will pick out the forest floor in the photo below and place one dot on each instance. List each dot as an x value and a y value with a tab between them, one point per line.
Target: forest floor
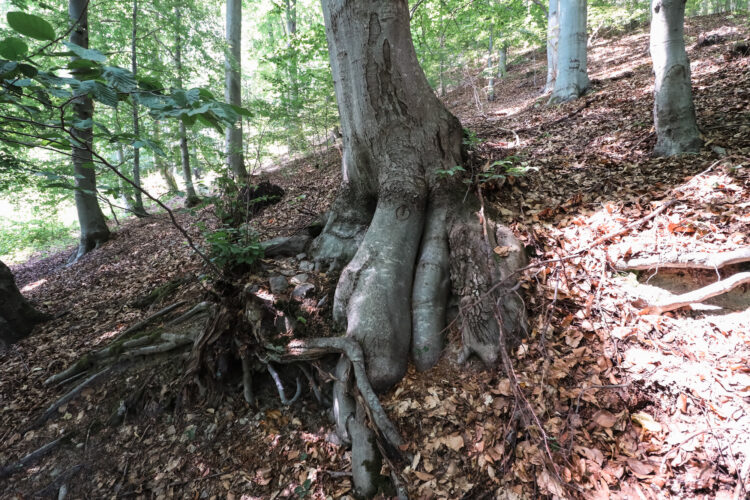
632	404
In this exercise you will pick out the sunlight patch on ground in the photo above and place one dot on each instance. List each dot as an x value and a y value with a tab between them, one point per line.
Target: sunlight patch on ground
33	285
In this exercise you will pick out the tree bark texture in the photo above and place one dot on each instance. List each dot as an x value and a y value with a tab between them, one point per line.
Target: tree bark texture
490	70
391	222
674	114
398	226
572	78
17	316
138	205
94	230
233	89
502	61
191	199
553	38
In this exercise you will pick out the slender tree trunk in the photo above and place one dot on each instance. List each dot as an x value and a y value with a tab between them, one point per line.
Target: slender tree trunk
233	91
674	113
138	209
125	199
162	166
490	70
553	38
398	226
572	79
191	199
502	61
94	229
17	316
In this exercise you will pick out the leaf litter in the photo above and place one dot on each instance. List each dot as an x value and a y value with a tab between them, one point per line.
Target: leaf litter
629	404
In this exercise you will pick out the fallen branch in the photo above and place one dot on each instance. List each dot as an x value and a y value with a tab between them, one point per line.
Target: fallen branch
32	457
699	295
316	348
149	319
67	398
199	308
692	260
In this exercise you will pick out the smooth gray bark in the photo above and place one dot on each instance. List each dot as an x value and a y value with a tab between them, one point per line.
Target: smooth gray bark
94	230
674	114
161	165
233	89
572	78
138	197
502	61
17	316
490	70
191	199
396	223
553	38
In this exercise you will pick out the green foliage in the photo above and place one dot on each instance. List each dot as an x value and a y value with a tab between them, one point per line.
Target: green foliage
31	26
231	247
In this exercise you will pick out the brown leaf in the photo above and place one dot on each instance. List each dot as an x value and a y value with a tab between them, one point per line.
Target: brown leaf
604	418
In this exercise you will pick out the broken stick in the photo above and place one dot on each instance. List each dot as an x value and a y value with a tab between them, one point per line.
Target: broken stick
699	295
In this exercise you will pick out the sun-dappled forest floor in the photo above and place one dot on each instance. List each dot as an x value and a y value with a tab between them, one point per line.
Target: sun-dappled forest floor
630	404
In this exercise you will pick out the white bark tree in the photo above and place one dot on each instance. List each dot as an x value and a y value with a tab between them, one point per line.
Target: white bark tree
138	197
233	89
553	37
94	230
572	78
674	113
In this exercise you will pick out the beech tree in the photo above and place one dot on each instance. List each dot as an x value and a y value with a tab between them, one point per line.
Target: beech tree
138	205
17	316
572	78
94	230
674	113
553	37
235	160
399	225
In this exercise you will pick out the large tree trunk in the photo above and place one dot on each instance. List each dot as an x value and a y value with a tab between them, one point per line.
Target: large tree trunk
553	37
398	226
572	79
138	205
674	113
502	60
233	90
17	316
191	199
94	230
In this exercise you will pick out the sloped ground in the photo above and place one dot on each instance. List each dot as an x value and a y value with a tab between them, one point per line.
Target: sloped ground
638	406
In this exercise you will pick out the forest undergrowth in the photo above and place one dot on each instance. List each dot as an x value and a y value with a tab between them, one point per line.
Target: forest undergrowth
628	403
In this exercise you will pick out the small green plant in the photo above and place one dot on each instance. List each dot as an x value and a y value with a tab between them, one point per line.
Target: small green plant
450	172
470	139
303	489
232	247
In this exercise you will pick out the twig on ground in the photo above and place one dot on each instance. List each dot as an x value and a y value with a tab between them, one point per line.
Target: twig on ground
699	295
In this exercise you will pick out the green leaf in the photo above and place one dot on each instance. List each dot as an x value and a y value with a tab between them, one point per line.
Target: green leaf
31	26
120	79
13	48
90	54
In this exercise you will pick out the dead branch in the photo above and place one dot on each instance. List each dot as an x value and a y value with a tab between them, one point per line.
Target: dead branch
68	397
199	308
138	326
699	295
32	457
692	260
316	348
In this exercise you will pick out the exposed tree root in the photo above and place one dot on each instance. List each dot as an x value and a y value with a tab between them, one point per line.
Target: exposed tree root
280	387
142	324
32	457
68	397
699	295
692	260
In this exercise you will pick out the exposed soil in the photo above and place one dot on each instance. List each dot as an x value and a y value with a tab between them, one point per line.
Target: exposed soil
631	405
